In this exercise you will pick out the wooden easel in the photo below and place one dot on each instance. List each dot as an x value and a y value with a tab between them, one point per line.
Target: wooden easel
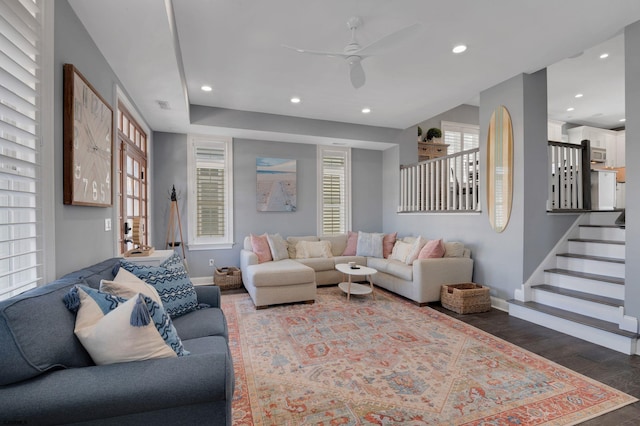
174	214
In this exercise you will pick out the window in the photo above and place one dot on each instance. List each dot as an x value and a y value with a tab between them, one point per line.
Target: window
24	182
210	193
460	137
334	190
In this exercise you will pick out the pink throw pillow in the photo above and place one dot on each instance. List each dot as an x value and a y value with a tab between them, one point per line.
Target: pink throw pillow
352	244
433	249
388	242
260	246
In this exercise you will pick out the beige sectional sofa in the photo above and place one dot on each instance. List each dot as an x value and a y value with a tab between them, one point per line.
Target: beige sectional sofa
295	279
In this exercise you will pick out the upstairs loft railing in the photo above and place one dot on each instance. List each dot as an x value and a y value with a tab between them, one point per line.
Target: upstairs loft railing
444	184
570	176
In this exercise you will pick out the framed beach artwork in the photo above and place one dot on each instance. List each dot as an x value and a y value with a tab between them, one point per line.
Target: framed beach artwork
276	184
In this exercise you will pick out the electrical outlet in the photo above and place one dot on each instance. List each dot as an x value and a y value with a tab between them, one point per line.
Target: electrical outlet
107	225
211	263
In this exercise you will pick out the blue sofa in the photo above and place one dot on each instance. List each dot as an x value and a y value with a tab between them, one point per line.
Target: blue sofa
47	377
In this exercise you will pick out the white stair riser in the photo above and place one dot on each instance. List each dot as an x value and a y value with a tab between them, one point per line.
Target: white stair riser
597	249
606	218
612	341
579	306
591	266
601	288
614	234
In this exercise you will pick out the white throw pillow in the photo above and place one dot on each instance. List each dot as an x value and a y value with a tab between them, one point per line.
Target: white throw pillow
415	250
126	285
400	251
453	249
311	249
278	247
369	244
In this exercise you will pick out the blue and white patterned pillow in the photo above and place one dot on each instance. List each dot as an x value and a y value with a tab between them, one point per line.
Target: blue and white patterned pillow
165	327
173	285
369	244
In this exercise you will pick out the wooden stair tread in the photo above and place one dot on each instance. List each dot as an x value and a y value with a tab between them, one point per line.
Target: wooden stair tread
590	257
588	276
592	240
577	318
600	226
589	297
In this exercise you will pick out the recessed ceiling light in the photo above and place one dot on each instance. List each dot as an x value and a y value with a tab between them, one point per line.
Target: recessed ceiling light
570	109
622	120
579	95
206	88
459	48
604	56
295	100
366	110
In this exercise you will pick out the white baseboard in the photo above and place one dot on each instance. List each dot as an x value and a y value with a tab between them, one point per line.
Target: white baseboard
499	304
202	280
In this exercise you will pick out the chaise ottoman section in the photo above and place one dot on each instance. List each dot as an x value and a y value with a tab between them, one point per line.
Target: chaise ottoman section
283	281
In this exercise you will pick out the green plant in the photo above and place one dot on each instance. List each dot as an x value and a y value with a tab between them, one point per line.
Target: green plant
434	132
419	131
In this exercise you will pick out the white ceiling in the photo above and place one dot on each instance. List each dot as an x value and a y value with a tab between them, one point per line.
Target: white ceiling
235	46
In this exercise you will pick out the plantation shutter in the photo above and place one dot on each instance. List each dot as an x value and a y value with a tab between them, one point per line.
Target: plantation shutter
210	181
20	171
460	137
334	201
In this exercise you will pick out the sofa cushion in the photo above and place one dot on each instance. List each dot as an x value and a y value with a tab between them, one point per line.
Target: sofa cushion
415	250
319	263
369	244
92	275
135	330
453	249
352	244
400	251
125	284
338	243
313	249
35	318
392	267
360	260
201	323
388	242
433	249
282	272
278	247
292	241
260	246
174	286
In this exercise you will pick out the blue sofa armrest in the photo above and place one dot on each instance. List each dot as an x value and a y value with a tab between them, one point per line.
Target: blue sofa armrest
208	294
126	389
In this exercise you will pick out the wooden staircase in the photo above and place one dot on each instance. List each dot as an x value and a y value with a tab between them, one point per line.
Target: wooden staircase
582	294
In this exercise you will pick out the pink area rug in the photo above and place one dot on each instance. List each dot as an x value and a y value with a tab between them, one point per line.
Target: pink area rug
389	362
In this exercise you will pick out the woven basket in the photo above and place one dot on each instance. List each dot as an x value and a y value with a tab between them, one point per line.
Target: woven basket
227	278
466	298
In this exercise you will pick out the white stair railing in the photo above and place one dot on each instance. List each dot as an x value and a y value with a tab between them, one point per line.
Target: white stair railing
447	183
569	176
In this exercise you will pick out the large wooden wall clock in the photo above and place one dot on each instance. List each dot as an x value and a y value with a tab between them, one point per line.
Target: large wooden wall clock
88	141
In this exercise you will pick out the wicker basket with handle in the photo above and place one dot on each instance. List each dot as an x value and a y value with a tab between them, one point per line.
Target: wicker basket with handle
227	278
465	298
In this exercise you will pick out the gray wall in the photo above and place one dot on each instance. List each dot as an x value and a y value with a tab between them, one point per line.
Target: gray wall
80	236
632	106
170	167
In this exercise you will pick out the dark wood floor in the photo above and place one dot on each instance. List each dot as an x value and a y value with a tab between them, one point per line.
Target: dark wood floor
610	367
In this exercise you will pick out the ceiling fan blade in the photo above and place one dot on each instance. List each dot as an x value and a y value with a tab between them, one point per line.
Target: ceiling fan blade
356	73
389	40
316	52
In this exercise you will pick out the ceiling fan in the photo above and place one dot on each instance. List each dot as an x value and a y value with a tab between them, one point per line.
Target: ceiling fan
354	54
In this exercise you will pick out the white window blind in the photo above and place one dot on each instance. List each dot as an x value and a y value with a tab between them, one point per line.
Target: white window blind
210	192
460	136
334	189
20	168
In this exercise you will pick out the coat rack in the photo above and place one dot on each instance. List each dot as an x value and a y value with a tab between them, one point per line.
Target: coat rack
174	219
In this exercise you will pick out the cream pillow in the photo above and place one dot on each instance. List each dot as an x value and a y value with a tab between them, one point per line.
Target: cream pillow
126	285
293	241
311	249
400	251
278	247
453	249
415	250
338	243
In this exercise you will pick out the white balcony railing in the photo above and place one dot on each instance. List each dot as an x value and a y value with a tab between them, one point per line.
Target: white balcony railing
445	184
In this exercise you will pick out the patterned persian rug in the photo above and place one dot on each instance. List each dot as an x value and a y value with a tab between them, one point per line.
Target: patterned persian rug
389	362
